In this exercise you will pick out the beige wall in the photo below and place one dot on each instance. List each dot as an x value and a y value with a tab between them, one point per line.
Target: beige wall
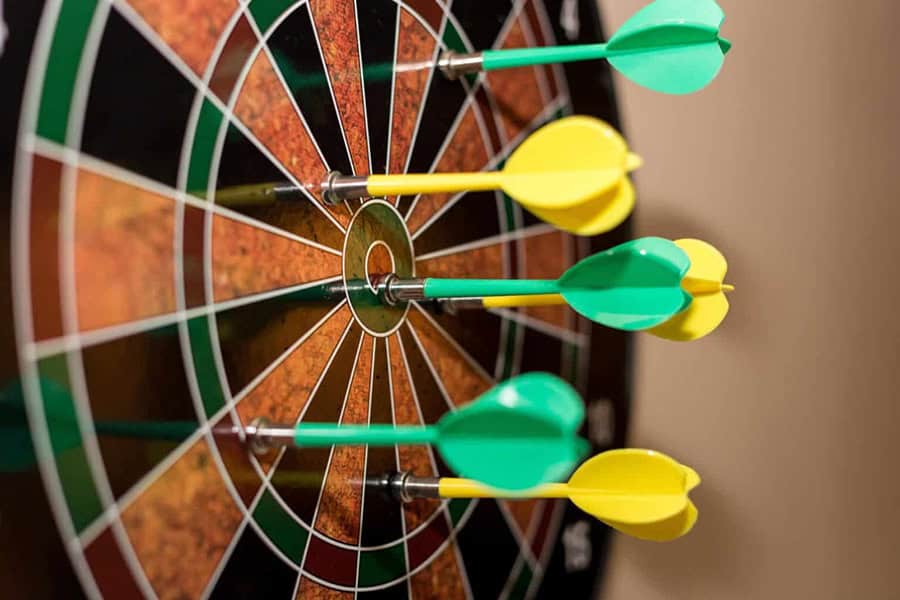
790	163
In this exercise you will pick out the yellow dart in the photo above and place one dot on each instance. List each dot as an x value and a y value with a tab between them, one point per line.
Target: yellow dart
641	493
572	173
703	281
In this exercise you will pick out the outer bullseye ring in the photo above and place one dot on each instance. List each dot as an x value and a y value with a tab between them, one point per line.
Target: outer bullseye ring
375	224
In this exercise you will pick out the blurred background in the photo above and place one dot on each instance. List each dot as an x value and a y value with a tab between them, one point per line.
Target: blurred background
790	164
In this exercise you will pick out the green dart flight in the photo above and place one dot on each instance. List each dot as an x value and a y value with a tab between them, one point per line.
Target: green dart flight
633	286
519	434
670	46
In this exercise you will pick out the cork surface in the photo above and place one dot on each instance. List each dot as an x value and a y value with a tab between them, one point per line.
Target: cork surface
516	91
462	381
340	505
414	47
335	22
285	391
465	152
265	107
486	261
547	256
190	27
415	459
310	590
181	525
238	250
441	578
124	256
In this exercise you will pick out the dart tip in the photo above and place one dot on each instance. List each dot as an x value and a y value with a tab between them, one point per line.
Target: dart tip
727	287
725	45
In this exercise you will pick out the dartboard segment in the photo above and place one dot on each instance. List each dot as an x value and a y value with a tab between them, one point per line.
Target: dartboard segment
415	47
192	28
336	27
547	256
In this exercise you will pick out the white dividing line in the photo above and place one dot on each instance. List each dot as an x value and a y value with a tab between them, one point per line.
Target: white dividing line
434	374
534	230
331	452
86	162
555	331
473	364
390	129
362	86
365	470
22	323
85	339
152	37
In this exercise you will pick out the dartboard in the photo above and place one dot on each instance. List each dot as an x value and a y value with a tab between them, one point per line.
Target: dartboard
168	234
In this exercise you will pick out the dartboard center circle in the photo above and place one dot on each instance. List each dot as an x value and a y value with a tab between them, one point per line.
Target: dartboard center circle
377	243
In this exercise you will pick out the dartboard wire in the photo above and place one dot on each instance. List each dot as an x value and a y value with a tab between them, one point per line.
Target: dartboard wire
468	101
456	346
390	376
365	471
390	129
562	83
555	331
537	568
141	486
492	162
541	74
23	318
312	523
440	383
362	85
69	312
439	46
500	238
265	479
71	157
86	339
264	47
552	532
152	37
334	103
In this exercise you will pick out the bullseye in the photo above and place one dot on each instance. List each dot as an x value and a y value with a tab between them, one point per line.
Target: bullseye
377	243
379	262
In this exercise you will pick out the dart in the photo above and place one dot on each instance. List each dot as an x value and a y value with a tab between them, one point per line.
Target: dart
704	281
642	493
633	286
572	173
517	435
669	46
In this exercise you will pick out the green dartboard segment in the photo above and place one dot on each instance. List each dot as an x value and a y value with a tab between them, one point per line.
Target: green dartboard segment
670	46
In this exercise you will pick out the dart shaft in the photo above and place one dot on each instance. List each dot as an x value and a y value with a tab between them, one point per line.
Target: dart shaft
523	57
433	183
516	301
326	434
453	487
462	288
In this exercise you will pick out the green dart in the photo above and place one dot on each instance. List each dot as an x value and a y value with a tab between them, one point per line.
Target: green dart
633	286
519	434
670	46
